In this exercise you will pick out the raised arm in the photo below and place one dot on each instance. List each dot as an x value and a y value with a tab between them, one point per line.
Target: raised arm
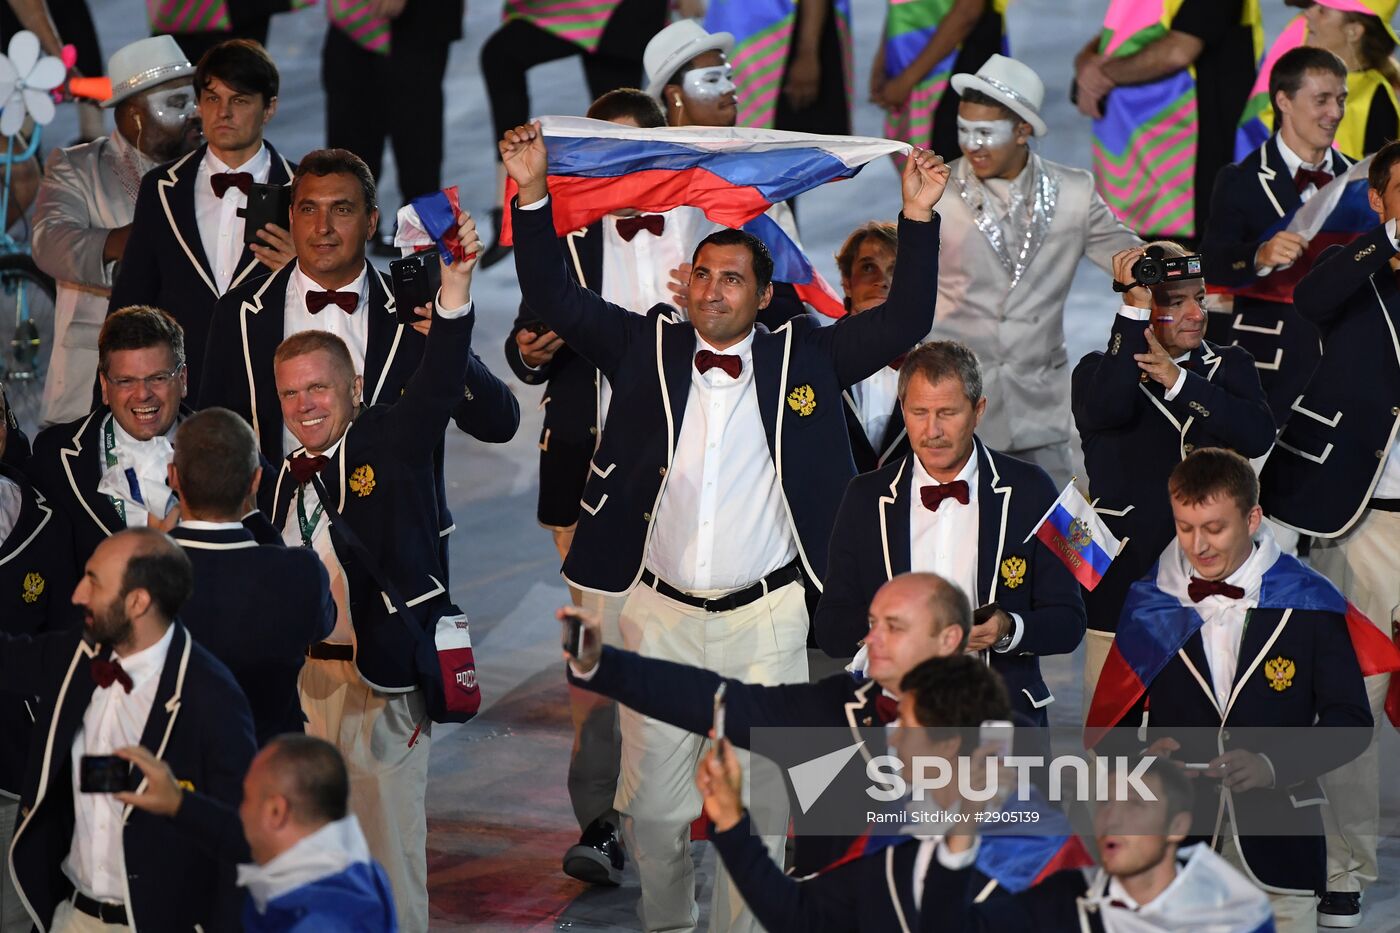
487	409
683	696
422	413
598	330
862	344
1325	293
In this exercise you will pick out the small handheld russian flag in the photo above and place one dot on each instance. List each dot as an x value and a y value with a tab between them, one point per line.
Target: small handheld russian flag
1074	533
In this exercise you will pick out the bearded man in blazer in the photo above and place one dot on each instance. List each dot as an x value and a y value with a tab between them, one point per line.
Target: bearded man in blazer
130	676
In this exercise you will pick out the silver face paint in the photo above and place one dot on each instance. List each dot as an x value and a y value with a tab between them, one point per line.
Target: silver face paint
707	85
171	108
985	134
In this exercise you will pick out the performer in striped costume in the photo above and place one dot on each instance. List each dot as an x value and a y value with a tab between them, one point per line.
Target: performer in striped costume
1157	144
926	42
791	61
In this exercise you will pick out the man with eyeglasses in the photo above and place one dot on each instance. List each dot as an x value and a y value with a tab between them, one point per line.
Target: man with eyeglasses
107	470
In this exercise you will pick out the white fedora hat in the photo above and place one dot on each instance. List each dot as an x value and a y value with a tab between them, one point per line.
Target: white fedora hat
677	44
1011	83
142	65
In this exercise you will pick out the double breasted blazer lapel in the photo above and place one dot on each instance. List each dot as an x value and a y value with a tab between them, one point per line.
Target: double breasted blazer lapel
262	325
894	520
385	336
1275	180
278	173
176	191
82	459
771	352
993	510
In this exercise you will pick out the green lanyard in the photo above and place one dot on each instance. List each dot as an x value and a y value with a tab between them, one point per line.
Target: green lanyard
110	446
308	526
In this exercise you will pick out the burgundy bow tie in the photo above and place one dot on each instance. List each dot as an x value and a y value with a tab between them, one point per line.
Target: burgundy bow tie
304	467
898	362
629	227
222	181
933	496
1199	589
346	301
105	673
1306	176
886	709
706	360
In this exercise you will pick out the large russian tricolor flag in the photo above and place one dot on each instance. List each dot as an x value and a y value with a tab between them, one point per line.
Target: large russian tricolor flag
734	175
1074	533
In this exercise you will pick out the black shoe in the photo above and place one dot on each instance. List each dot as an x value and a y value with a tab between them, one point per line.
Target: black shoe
496	251
1339	909
597	858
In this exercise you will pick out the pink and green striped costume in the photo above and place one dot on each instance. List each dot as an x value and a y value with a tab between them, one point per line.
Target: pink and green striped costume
1145	144
763	31
578	21
909	25
182	16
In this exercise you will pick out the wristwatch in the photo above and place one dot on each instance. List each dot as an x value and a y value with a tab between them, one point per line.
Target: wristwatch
1004	642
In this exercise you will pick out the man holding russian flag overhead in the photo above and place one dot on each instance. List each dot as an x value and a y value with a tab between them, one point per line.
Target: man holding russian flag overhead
957	508
1335	473
713	492
1225	634
1248	247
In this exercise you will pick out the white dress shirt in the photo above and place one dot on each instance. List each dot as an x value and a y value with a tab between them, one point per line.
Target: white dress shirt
875	397
1292	162
149	460
1225	618
352	328
114	719
1388	486
344	632
305	501
220	227
10	502
721	523
636	274
945	542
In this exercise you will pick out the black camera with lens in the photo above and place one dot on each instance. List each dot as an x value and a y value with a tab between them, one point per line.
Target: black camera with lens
1156	267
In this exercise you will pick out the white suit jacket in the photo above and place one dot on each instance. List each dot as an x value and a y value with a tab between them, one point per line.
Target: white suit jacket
81	199
1017	328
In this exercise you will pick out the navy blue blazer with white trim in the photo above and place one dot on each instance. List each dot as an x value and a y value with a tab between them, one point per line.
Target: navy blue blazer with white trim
199	725
648	362
382	480
164	263
1325	689
1330	455
1133	438
37	576
870	545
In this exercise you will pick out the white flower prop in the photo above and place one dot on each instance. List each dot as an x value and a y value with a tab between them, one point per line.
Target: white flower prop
26	83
